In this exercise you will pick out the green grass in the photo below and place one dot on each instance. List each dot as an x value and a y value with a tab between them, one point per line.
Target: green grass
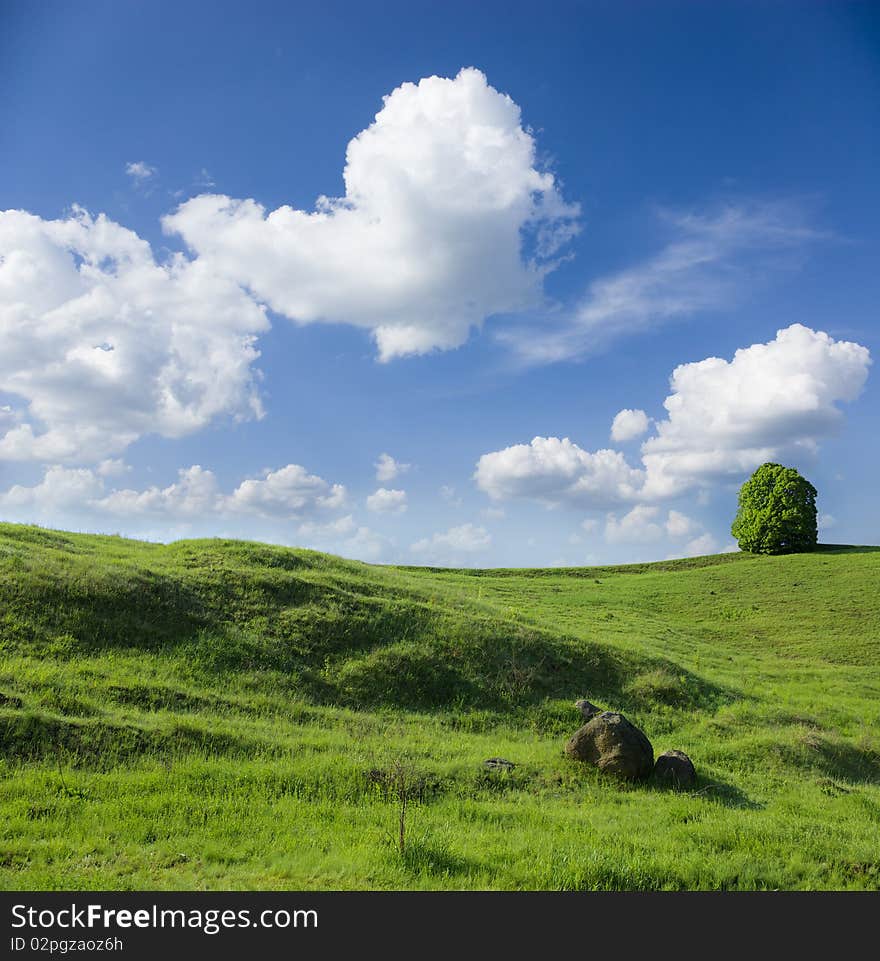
222	714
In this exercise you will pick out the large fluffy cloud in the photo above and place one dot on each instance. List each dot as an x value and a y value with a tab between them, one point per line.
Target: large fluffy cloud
441	191
555	471
100	344
446	219
772	401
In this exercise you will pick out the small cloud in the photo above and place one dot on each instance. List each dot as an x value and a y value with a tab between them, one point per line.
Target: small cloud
464	539
343	536
387	468
826	521
8	415
337	528
637	527
112	467
629	424
387	501
366	544
704	544
680	525
140	172
448	494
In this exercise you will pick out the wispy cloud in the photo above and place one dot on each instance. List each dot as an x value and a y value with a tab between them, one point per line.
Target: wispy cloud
141	173
709	261
449	547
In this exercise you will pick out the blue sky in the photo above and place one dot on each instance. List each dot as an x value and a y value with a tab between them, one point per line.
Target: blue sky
607	194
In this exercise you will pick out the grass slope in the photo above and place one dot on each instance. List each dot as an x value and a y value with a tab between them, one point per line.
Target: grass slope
223	714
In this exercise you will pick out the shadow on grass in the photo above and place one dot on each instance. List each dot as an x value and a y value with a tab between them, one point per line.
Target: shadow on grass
100	745
714	789
422	856
515	672
837	759
846	549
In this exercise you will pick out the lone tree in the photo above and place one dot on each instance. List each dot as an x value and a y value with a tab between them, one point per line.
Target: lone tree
777	512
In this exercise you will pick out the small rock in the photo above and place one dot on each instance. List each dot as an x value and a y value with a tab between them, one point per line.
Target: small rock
614	745
587	709
676	769
498	764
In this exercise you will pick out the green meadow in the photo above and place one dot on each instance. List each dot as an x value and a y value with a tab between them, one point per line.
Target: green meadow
220	714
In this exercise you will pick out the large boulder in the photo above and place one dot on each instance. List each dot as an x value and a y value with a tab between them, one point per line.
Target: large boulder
614	745
676	769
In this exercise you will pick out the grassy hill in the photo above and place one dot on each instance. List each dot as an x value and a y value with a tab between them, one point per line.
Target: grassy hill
223	714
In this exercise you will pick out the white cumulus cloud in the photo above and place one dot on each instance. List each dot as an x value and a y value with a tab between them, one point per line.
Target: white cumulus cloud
680	525
316	530
63	490
772	402
384	501
343	536
638	526
387	468
629	424
428	240
194	494
457	541
704	544
644	524
290	493
554	471
101	345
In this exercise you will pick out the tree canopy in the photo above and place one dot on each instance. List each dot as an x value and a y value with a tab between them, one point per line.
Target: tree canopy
777	512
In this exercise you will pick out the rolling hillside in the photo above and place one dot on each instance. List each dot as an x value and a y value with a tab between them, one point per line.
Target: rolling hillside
224	714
